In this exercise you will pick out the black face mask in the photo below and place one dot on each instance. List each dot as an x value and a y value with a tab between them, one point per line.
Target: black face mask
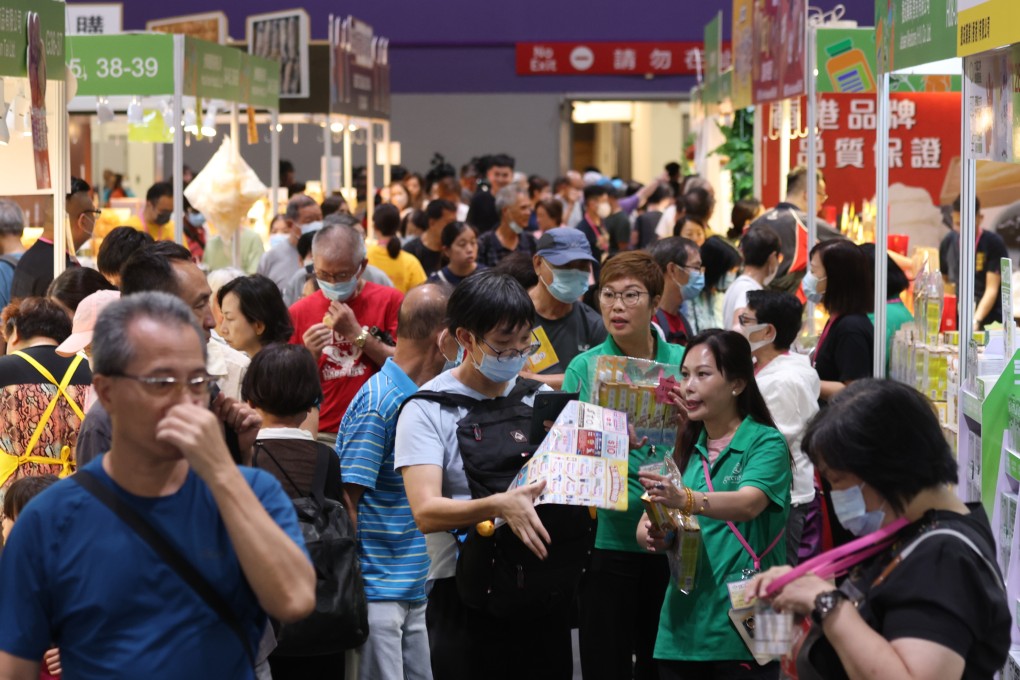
162	218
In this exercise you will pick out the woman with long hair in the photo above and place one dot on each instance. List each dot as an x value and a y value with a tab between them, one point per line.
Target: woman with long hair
736	480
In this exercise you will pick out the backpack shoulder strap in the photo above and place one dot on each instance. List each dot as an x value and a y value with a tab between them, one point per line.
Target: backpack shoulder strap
10	259
441	398
960	537
168	553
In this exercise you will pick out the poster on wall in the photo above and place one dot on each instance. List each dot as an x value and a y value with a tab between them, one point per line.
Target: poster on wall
211	26
743	52
283	37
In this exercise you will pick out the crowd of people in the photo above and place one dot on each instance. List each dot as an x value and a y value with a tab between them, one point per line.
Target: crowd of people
374	386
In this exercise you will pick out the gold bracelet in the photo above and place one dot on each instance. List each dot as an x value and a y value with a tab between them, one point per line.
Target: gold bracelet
690	501
704	504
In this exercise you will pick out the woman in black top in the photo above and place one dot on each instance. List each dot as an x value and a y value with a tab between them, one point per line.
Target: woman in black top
840	279
932	605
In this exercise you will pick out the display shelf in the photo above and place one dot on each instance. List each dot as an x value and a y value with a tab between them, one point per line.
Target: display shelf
1012	463
1012	670
972	406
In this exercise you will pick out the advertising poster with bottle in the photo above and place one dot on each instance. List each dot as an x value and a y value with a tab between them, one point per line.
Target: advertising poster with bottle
986	24
910	33
848	64
743	52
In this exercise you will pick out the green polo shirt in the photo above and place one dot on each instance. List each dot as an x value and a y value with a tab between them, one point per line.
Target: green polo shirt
618	530
697	627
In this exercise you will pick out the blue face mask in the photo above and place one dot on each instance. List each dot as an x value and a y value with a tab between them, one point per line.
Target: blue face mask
516	228
277	239
727	281
695	284
454	363
197	219
810	284
848	504
568	285
499	371
340	292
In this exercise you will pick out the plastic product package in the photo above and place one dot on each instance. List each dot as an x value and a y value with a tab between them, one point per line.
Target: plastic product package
225	190
639	388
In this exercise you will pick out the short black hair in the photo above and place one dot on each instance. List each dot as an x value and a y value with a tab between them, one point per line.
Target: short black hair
36	317
158	191
674	249
552	208
888	435
263	388
332	204
593	191
118	246
490	300
783	310
520	267
742	214
260	301
850	284
435	209
151	268
718	257
22	490
78	186
698	203
304	244
75	284
758	245
536	184
500	160
957	203
896	280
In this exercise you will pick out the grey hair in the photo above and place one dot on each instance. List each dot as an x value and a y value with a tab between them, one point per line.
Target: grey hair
340	218
12	219
507	197
112	349
325	240
218	278
295	204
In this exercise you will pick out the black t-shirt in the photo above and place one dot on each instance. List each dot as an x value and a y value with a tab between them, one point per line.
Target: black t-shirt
482	213
618	227
645	226
34	273
444	275
431	260
848	350
990	251
942	592
577	332
16	371
591	233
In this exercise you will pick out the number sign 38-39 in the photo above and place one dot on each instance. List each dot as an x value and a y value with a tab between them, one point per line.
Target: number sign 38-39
122	64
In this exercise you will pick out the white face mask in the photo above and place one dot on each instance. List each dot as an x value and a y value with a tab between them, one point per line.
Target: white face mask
747	331
770	277
604	210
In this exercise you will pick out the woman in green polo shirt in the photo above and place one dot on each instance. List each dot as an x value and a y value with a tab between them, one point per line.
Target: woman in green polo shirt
622	592
737	467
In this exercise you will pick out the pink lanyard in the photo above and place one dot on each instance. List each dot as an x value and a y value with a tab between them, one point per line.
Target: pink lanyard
839	560
747	546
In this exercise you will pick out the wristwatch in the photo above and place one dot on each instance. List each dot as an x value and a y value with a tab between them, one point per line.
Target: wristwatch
362	338
825	604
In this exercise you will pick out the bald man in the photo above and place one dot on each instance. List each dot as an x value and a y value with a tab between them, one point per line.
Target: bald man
335	322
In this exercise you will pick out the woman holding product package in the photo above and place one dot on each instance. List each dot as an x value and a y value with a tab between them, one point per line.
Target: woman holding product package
736	480
622	591
930	605
840	279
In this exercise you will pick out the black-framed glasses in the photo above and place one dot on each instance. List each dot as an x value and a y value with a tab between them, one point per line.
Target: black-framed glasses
630	297
504	355
165	385
695	269
94	213
746	320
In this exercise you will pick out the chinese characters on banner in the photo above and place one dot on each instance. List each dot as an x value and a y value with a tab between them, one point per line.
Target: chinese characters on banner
95	18
913	32
613	58
743	52
986	25
924	139
993	104
779	45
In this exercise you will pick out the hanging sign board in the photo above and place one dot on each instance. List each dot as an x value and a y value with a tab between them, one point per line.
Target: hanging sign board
14	36
209	26
713	57
743	52
128	64
779	50
847	64
260	82
910	33
612	58
361	81
211	71
986	24
95	18
283	37
993	104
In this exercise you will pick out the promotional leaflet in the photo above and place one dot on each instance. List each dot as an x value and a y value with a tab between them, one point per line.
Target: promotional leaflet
583	459
640	388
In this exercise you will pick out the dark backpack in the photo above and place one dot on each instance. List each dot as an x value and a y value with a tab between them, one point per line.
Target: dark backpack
499	574
340	619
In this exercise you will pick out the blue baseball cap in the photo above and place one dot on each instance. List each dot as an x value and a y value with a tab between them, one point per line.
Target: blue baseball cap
563	245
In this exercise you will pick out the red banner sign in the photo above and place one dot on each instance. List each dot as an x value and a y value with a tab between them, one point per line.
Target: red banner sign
613	58
780	43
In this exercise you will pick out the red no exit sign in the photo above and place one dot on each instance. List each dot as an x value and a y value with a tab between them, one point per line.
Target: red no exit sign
613	58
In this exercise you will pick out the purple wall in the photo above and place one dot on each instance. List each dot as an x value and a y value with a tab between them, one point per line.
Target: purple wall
468	45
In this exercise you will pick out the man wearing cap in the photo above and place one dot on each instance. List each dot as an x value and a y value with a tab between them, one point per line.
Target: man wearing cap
566	326
281	261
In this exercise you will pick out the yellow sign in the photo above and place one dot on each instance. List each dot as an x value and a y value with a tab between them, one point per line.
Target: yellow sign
986	24
743	53
545	356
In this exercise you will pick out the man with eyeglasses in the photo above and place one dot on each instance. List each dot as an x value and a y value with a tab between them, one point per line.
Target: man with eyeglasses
89	582
335	323
34	272
789	220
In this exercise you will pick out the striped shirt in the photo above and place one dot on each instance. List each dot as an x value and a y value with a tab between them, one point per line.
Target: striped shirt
394	560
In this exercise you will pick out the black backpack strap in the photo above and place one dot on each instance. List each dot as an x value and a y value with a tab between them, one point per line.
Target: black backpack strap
168	553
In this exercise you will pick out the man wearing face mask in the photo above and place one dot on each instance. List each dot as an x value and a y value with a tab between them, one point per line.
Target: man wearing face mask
334	322
770	322
566	326
514	208
596	209
156	213
761	250
282	259
684	277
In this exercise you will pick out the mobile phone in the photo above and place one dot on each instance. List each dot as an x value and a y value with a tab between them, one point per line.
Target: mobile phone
548	405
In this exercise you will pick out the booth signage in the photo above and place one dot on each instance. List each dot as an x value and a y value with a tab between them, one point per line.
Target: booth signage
910	33
260	82
713	55
14	36
95	18
115	65
986	25
209	26
778	69
613	58
743	52
211	71
360	84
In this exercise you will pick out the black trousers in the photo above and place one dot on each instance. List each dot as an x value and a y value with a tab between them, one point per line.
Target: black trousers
621	600
467	644
326	667
717	670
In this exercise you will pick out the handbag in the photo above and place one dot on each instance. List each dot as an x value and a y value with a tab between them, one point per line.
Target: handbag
169	554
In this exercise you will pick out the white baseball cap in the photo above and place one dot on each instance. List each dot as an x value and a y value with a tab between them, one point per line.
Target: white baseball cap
85	321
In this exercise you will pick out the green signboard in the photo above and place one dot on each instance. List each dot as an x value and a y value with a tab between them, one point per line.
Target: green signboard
260	80
910	33
211	71
111	65
713	57
847	63
14	36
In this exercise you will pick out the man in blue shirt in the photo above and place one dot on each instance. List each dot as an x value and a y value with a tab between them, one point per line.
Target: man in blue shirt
75	575
394	559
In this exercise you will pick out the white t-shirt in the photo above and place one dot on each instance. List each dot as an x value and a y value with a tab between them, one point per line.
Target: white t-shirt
790	387
427	435
736	298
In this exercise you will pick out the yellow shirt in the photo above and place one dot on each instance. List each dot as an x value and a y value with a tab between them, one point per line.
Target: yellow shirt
405	271
159	233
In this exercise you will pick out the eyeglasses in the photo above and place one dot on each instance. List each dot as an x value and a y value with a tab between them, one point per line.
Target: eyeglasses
94	213
746	320
336	278
695	268
630	297
504	355
165	385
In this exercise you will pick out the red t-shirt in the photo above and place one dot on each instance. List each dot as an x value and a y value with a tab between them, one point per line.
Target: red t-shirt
343	368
